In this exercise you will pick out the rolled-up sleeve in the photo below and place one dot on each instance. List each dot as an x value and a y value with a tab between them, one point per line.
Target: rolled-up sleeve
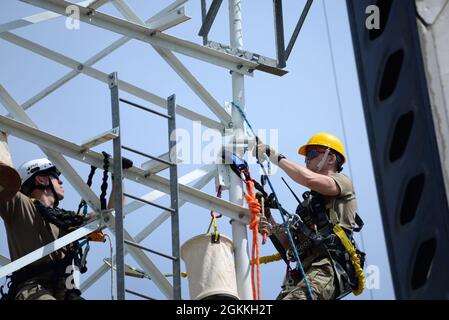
344	183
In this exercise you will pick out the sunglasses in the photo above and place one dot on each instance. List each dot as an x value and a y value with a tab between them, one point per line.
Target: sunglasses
313	153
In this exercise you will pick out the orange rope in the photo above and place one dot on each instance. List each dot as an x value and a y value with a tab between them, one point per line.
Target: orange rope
255	209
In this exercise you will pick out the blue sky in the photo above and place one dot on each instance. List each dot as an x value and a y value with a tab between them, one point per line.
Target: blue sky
298	105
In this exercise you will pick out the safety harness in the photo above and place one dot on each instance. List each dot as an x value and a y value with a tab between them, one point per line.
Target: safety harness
319	224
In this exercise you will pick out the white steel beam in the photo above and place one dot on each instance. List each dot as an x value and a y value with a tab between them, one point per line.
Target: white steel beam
103	77
97	4
49	248
72	74
41	138
153	166
168	9
36	18
75	180
26	21
100	138
154	37
144	233
166	22
195	85
128	12
3	260
179	68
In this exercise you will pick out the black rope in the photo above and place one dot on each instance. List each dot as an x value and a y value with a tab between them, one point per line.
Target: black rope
89	183
126	164
104	184
61	218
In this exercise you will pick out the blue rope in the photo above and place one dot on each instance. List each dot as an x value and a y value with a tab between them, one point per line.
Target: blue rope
281	210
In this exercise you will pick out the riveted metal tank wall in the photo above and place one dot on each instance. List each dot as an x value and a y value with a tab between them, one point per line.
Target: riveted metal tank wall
404	147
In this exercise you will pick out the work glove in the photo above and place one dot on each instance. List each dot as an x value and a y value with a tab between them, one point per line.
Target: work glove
260	149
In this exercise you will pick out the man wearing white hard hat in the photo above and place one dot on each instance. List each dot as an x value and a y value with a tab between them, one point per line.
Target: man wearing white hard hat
33	219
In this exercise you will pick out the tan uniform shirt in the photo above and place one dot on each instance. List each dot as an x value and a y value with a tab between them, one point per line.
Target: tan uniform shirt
26	230
344	205
344	209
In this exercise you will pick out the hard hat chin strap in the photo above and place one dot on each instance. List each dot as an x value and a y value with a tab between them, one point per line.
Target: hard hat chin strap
55	195
320	164
52	189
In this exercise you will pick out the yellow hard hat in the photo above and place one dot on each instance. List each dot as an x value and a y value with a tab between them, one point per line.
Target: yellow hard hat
325	140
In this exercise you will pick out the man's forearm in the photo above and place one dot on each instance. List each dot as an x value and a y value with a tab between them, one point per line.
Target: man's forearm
320	183
111	202
297	172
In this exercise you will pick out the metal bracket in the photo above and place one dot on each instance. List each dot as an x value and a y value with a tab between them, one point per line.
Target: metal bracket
104	218
101	138
154	166
264	63
223	178
113	80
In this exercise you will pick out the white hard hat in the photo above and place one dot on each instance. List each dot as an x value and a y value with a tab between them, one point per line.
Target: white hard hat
29	168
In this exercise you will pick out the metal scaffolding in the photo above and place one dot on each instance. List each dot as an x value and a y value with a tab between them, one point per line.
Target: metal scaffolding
234	58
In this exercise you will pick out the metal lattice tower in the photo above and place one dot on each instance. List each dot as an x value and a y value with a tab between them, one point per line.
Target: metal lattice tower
232	57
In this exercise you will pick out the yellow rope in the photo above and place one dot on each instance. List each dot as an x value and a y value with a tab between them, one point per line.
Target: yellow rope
214	222
354	258
268	259
183	275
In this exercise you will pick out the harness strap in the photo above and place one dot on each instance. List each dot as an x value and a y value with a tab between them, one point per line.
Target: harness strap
333	216
339	232
359	222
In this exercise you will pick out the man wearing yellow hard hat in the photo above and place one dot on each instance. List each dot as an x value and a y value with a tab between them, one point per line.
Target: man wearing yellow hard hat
324	222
